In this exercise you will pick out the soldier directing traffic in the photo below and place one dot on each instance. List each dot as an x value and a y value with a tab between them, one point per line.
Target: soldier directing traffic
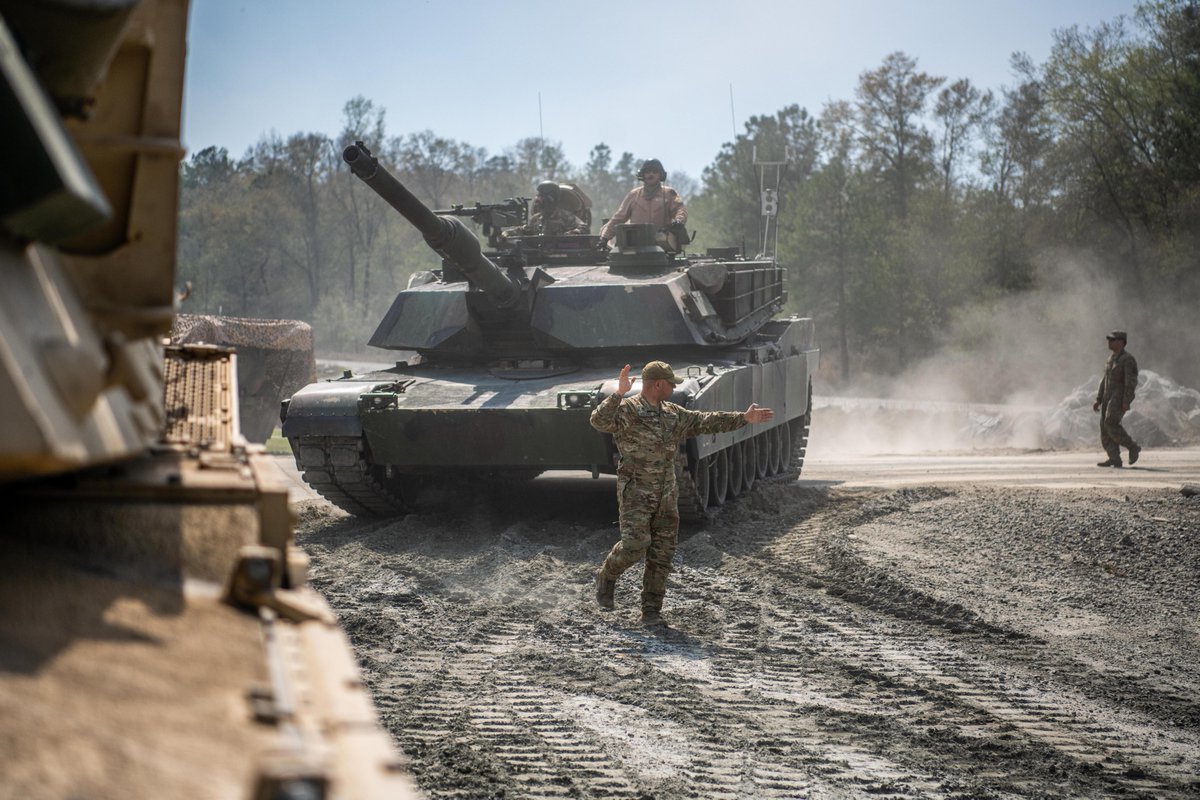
1113	398
647	430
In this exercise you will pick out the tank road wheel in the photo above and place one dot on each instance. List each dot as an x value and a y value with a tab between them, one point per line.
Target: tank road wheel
763	446
718	475
749	462
777	462
737	469
693	489
785	447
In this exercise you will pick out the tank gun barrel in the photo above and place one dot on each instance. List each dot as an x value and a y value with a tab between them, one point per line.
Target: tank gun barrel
447	236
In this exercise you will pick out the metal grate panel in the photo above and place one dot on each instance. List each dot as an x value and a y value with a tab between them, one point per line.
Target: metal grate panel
201	396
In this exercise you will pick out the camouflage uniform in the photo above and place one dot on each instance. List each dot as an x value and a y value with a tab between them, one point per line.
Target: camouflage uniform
555	222
648	440
1116	391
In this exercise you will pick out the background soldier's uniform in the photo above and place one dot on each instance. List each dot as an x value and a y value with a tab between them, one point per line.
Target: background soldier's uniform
648	440
1117	387
556	222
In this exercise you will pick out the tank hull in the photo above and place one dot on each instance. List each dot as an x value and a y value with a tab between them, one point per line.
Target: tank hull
430	421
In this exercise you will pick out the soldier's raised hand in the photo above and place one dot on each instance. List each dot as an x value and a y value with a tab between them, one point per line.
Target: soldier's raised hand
755	414
624	382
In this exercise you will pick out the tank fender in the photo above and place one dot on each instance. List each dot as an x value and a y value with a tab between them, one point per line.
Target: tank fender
781	385
327	409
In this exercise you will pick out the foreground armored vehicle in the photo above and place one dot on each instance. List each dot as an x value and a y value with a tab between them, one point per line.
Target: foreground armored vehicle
157	636
514	348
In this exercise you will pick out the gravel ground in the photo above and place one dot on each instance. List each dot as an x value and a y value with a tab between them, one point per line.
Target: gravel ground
949	641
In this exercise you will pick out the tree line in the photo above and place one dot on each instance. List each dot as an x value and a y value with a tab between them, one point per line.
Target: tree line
917	198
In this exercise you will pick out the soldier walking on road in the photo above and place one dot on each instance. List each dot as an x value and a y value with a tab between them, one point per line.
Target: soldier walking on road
647	430
1113	398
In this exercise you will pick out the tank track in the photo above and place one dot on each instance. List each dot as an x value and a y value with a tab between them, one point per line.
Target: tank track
339	470
800	429
693	510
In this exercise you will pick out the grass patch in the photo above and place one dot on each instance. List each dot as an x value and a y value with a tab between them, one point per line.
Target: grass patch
277	445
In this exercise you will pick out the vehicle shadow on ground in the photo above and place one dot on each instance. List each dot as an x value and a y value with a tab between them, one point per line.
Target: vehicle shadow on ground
575	517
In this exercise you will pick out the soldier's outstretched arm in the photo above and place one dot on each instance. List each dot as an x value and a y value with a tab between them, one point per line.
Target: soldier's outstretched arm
693	423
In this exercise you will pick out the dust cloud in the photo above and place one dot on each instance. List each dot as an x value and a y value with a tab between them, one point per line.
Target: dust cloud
1001	368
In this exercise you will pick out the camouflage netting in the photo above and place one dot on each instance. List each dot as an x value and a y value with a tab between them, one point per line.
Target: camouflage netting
275	359
1163	413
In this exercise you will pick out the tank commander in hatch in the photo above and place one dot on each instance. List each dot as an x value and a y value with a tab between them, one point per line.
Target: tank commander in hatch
549	216
647	430
1113	398
652	203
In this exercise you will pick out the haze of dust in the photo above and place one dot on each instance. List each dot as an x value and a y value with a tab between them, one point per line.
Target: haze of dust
1001	365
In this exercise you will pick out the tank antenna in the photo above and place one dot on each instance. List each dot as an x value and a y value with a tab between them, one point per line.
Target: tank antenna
732	116
769	226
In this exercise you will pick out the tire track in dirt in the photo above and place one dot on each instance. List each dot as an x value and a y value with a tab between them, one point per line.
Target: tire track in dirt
789	674
1058	717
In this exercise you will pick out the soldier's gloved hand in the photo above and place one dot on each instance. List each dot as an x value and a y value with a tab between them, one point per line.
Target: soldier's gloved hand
601	244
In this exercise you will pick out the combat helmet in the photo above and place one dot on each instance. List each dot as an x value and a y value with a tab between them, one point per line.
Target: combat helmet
654	164
548	192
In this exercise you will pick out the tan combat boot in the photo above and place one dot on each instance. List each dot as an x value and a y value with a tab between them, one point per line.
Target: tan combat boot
604	590
652	618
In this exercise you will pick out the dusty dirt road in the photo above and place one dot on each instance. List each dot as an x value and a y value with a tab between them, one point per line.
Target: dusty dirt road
1020	625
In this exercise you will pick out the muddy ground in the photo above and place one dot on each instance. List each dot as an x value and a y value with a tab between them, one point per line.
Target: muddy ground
958	641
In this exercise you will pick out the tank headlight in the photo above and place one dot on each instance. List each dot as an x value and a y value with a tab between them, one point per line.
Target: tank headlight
574	399
374	400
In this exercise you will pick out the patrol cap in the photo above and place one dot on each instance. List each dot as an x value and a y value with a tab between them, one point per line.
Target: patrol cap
659	371
1118	335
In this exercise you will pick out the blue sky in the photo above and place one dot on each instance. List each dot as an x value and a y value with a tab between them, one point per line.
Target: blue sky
651	79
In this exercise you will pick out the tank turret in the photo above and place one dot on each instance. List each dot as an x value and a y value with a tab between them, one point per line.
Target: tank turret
515	345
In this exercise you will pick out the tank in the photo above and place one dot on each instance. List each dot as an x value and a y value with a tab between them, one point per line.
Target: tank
508	351
158	636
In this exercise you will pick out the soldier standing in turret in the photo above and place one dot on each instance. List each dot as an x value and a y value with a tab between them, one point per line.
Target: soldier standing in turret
1113	398
652	203
548	216
647	430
